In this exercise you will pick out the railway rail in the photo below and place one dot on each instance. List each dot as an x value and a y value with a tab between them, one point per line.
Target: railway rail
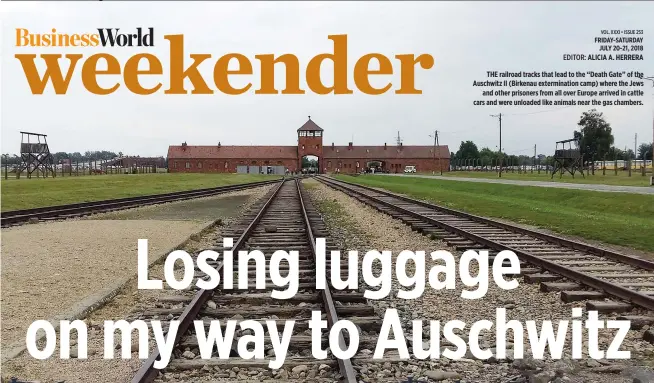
285	221
581	272
19	217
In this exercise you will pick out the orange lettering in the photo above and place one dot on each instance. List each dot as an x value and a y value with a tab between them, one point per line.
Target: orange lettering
268	74
52	72
221	71
177	72
21	37
340	68
90	73
408	71
362	71
132	72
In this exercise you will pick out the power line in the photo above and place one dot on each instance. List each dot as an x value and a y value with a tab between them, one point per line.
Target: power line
542	111
459	131
504	114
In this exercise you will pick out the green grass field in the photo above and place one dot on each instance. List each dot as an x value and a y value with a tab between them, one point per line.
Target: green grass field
616	218
37	192
610	178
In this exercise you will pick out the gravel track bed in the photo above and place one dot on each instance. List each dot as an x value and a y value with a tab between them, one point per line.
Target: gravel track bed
120	239
363	228
620	249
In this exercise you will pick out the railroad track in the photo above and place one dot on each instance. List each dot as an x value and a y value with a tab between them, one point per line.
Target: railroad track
288	221
19	217
579	271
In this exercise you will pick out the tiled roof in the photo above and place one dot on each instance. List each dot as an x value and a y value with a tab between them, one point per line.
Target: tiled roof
291	152
380	153
236	152
310	126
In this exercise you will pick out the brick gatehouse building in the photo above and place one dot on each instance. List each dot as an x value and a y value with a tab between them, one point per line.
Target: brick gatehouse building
347	159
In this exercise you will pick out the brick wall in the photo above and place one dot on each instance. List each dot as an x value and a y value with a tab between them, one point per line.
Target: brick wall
224	166
309	146
394	166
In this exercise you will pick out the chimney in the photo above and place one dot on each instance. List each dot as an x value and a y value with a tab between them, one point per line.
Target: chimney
400	145
332	146
184	145
384	146
349	145
218	143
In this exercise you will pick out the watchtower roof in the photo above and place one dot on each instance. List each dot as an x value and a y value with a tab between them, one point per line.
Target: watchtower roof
310	126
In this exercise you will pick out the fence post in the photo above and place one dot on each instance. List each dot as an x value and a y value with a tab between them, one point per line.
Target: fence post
629	166
615	167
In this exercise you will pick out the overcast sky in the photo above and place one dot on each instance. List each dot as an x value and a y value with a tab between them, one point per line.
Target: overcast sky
466	40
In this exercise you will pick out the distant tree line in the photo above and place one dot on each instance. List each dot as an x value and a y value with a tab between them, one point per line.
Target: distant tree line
486	157
89	155
309	163
595	139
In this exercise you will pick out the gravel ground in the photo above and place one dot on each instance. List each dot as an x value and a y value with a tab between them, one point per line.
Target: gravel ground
120	237
47	268
200	209
363	228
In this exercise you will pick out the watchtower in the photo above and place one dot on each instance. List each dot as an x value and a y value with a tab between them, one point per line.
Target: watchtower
35	156
309	142
568	159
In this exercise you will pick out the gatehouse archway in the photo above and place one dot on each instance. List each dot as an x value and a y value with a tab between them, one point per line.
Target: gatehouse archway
310	164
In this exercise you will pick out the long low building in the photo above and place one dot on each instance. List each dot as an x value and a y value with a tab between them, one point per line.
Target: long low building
343	159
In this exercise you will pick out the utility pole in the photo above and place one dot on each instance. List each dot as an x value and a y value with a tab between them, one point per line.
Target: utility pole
500	117
652	179
534	164
437	147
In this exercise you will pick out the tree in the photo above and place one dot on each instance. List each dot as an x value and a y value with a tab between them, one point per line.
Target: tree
629	155
488	157
595	136
645	151
309	163
58	156
467	150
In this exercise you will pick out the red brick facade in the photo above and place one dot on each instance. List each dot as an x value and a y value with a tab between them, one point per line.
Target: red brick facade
345	159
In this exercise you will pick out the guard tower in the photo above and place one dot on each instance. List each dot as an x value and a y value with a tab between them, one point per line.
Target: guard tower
35	155
569	159
309	143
